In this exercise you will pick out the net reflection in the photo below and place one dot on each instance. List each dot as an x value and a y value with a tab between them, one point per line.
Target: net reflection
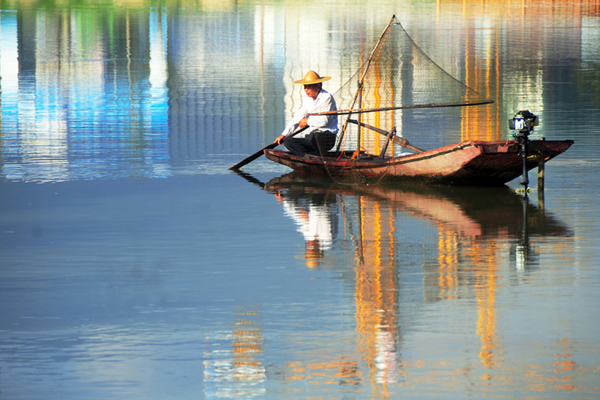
475	234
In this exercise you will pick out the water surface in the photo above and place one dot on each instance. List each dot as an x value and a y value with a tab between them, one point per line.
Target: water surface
133	264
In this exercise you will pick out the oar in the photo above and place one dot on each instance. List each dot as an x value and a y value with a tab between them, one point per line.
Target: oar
250	178
259	153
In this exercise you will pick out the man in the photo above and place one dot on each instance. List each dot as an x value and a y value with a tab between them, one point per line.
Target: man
320	135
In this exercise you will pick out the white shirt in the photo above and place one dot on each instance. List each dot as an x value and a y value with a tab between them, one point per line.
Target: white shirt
315	223
324	102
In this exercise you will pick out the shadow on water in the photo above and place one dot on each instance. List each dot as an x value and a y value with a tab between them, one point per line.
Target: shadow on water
471	213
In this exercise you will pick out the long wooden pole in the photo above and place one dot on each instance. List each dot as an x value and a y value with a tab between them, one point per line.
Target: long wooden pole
359	134
431	105
540	183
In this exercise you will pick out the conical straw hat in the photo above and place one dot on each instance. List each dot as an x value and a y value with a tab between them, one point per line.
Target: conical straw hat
311	78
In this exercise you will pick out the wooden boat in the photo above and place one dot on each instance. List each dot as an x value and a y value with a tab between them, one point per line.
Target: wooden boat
468	163
397	79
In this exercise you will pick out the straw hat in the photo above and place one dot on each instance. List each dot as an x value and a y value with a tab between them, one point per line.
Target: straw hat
311	78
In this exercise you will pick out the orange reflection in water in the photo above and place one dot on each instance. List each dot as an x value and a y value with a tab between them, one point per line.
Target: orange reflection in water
375	294
473	230
485	294
514	83
340	371
458	245
561	375
247	342
482	256
238	370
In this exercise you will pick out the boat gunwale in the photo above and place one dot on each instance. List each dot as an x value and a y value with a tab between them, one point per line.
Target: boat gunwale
484	146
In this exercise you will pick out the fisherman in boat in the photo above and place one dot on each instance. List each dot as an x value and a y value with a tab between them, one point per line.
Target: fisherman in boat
320	135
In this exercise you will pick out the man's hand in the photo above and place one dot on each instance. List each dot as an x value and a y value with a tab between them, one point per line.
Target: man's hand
303	122
279	139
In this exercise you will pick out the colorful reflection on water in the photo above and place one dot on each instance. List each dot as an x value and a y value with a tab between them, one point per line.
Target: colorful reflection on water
199	284
473	245
84	94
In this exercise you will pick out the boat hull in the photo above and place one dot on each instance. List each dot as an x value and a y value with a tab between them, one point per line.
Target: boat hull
479	163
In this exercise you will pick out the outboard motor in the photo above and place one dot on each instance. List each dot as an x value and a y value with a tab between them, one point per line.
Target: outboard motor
523	122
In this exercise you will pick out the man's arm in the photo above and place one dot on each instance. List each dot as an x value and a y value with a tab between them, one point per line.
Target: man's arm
301	124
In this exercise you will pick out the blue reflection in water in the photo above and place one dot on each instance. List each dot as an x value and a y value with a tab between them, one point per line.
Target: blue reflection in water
136	96
84	107
8	71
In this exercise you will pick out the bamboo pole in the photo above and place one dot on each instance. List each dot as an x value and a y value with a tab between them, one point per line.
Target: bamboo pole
541	173
540	183
431	105
362	79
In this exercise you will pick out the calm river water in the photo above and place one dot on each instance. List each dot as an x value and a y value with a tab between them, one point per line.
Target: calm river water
134	265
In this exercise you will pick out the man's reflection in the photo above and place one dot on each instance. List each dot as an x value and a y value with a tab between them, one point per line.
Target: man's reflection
316	217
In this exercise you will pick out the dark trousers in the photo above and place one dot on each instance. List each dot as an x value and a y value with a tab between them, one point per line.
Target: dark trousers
315	143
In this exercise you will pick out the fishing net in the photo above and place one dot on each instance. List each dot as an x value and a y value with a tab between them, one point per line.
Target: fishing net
402	88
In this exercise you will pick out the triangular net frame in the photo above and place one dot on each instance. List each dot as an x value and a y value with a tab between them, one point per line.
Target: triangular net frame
396	79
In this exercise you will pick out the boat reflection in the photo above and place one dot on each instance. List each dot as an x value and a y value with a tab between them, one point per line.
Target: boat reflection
475	233
471	215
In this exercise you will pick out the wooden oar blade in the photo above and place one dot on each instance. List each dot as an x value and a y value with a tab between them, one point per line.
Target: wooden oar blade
253	157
